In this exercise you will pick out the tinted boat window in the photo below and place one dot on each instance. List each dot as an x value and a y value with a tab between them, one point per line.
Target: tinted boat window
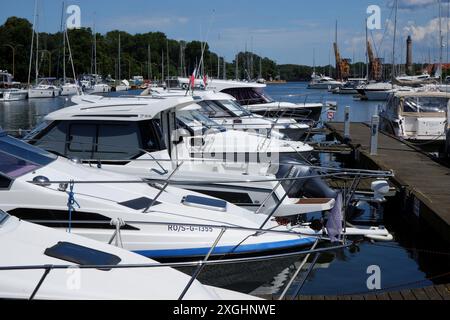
5	182
82	140
53	138
118	141
18	158
25	151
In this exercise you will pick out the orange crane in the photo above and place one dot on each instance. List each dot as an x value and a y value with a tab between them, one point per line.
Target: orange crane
342	65
375	65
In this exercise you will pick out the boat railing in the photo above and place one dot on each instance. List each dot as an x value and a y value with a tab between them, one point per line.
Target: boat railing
199	265
119	223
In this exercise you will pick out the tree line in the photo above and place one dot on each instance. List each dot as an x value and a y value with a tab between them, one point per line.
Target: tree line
178	57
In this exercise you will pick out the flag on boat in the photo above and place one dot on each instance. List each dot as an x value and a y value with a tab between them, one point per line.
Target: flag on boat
192	80
335	220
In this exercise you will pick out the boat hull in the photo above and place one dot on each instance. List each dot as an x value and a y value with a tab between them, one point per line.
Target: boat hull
43	93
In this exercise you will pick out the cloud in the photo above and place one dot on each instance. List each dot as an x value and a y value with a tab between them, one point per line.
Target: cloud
429	32
138	24
415	4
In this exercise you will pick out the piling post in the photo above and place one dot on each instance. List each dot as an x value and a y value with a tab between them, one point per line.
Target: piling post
347	123
374	135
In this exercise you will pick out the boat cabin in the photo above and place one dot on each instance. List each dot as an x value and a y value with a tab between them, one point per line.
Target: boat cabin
417	116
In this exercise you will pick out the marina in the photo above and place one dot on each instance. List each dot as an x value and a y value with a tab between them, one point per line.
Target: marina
134	166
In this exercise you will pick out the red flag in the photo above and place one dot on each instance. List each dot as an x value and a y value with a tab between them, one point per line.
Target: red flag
192	81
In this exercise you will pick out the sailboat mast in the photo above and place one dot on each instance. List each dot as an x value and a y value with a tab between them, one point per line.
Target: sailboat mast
32	43
37	44
367	52
168	64
150	76
64	54
395	38
119	65
237	67
441	40
95	48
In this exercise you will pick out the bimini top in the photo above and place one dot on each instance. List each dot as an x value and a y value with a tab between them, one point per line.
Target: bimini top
122	109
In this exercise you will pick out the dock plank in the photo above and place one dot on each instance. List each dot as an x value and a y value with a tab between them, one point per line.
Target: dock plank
438	292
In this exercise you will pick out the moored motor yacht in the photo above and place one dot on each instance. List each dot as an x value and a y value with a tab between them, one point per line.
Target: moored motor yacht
417	116
127	136
228	113
69	88
8	95
154	220
380	91
44	89
28	251
138	143
251	95
321	82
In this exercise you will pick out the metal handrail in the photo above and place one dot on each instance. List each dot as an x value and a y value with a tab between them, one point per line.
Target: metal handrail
48	268
186	182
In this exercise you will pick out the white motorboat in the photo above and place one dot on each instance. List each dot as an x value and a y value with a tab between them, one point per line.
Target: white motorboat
136	144
70	89
380	91
228	113
251	95
157	221
133	142
8	95
28	250
9	89
44	89
417	116
350	87
124	85
321	82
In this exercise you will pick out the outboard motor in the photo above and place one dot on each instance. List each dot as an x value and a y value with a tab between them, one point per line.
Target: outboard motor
310	187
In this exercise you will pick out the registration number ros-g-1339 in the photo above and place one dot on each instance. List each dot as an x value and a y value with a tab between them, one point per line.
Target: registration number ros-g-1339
182	229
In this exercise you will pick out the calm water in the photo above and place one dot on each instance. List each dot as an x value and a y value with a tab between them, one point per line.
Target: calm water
402	264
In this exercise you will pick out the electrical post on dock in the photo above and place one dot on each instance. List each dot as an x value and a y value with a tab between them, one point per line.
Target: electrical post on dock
374	135
347	123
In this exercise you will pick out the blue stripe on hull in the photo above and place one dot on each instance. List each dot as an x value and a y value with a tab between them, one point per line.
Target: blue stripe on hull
242	249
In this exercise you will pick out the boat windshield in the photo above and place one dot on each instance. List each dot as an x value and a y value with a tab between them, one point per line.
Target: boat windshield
425	105
249	96
195	119
234	107
18	158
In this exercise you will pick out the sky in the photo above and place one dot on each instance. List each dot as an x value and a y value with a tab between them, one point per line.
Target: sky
287	31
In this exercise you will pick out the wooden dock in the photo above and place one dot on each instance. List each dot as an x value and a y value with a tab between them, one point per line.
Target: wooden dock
434	293
421	180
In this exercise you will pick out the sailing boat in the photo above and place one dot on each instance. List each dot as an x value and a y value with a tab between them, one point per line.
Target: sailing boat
93	83
44	88
69	87
124	85
381	91
322	82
